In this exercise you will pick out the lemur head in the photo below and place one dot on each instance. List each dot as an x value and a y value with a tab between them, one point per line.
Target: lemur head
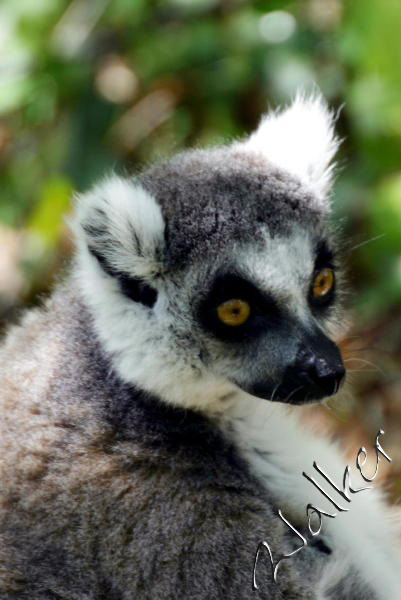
216	270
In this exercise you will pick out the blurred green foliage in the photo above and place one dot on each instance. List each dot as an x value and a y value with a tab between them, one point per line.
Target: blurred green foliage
91	86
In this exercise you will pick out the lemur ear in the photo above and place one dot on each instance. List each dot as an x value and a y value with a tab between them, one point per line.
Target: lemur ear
122	227
301	140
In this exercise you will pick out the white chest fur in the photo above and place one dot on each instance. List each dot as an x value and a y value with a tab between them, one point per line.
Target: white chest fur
279	448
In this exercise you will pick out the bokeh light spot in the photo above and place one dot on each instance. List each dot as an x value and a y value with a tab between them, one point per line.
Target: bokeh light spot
277	26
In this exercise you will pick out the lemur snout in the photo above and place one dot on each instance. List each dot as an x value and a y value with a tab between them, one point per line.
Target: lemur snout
317	371
317	375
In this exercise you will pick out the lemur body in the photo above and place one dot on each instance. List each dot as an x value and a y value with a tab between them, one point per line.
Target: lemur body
136	461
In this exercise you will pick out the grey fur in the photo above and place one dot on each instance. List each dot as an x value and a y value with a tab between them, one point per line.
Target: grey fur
110	494
212	197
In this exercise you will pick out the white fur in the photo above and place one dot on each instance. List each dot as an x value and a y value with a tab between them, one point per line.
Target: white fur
139	341
129	209
301	140
364	537
283	267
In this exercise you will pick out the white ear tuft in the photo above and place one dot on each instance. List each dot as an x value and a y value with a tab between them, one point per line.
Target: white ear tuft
301	140
121	224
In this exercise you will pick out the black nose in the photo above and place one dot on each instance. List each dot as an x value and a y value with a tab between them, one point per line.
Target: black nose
319	373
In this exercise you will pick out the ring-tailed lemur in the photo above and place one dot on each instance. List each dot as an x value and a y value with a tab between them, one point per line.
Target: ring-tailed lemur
147	438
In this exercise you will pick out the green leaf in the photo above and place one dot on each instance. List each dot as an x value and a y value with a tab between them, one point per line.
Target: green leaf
47	218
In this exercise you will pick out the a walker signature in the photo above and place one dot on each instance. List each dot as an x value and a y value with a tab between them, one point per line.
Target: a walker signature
311	509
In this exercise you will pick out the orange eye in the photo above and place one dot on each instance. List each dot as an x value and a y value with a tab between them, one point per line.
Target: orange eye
323	283
233	312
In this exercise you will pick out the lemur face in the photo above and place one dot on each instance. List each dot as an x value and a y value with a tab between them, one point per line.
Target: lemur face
266	317
214	272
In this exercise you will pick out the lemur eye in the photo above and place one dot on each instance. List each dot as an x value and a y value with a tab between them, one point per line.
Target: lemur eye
233	312
323	283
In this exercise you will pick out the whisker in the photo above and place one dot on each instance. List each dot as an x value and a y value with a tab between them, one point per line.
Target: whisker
373	239
365	349
367	362
274	391
325	403
339	403
351	337
361	370
293	392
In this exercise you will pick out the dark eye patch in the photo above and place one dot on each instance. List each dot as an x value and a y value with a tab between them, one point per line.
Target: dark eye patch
324	256
264	310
